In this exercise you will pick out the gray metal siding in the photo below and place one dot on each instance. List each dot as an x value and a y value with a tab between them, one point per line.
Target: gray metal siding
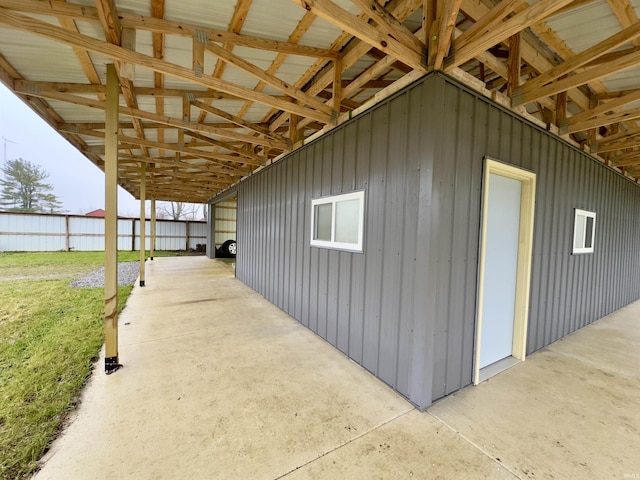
568	291
360	302
405	308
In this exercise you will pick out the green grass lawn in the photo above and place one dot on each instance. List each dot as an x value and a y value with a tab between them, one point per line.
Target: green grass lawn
50	337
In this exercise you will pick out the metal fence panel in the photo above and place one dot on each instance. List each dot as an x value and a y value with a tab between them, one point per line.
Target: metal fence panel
31	232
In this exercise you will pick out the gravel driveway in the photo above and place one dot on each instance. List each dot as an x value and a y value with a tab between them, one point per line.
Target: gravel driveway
127	275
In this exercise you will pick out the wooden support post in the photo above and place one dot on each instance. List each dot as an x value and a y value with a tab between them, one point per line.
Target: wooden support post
152	246
198	56
133	234
432	47
547	117
67	239
143	219
514	64
429	14
295	135
337	88
592	133
128	41
111	361
561	108
293	125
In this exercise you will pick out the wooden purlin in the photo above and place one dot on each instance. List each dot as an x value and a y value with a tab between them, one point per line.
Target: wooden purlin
301	28
374	36
259	129
475	9
235	26
169	121
324	73
389	25
114	34
465	50
274	133
117	53
550	82
157	24
267	78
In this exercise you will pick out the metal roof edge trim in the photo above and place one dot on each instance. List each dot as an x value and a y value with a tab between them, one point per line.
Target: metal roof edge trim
386	94
225	194
497	101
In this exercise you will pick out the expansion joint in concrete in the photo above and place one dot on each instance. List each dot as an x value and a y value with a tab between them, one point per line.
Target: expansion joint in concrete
344	444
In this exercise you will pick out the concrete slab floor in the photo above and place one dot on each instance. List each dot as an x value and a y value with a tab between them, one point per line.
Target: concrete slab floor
220	384
571	410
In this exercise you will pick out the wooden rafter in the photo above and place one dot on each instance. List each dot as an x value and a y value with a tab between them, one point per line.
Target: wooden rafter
303	26
530	53
375	37
574	123
115	34
157	24
259	129
465	49
505	44
390	25
174	122
324	75
549	83
267	78
118	53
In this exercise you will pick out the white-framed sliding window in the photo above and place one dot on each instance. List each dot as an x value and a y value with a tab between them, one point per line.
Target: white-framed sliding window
338	221
584	231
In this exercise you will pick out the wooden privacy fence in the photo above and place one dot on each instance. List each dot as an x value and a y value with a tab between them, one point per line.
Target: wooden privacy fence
37	232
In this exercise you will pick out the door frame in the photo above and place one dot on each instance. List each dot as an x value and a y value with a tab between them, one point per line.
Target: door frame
525	250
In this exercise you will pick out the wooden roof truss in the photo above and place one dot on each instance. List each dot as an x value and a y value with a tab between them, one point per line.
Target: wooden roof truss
203	117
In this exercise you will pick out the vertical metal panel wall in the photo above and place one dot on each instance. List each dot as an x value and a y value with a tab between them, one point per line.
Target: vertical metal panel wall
405	308
362	303
88	233
567	291
224	221
30	233
51	232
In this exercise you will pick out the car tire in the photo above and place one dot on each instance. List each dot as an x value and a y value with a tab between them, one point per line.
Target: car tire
229	248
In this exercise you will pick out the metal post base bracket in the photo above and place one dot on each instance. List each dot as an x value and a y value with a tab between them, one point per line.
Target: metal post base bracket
111	365
142	283
151	258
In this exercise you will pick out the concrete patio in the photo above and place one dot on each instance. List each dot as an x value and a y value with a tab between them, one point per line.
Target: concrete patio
220	384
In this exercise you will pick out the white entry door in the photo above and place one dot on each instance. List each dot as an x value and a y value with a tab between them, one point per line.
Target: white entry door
505	267
501	266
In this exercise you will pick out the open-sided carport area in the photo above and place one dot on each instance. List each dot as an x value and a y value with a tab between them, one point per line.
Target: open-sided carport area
440	189
221	384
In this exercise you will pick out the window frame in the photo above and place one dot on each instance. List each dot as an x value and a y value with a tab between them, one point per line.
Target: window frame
584	214
333	200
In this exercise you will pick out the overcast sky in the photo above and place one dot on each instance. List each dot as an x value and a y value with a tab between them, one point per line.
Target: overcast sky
77	182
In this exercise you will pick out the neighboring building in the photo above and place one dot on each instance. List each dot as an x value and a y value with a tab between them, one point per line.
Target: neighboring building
95	213
399	273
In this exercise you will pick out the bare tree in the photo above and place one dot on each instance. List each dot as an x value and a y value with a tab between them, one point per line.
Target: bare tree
179	211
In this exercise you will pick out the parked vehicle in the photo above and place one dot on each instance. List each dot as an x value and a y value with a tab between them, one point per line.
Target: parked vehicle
227	249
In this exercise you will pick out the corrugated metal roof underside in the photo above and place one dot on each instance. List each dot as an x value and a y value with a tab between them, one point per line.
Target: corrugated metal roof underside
39	59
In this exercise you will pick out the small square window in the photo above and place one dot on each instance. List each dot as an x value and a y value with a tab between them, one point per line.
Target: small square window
337	221
584	231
